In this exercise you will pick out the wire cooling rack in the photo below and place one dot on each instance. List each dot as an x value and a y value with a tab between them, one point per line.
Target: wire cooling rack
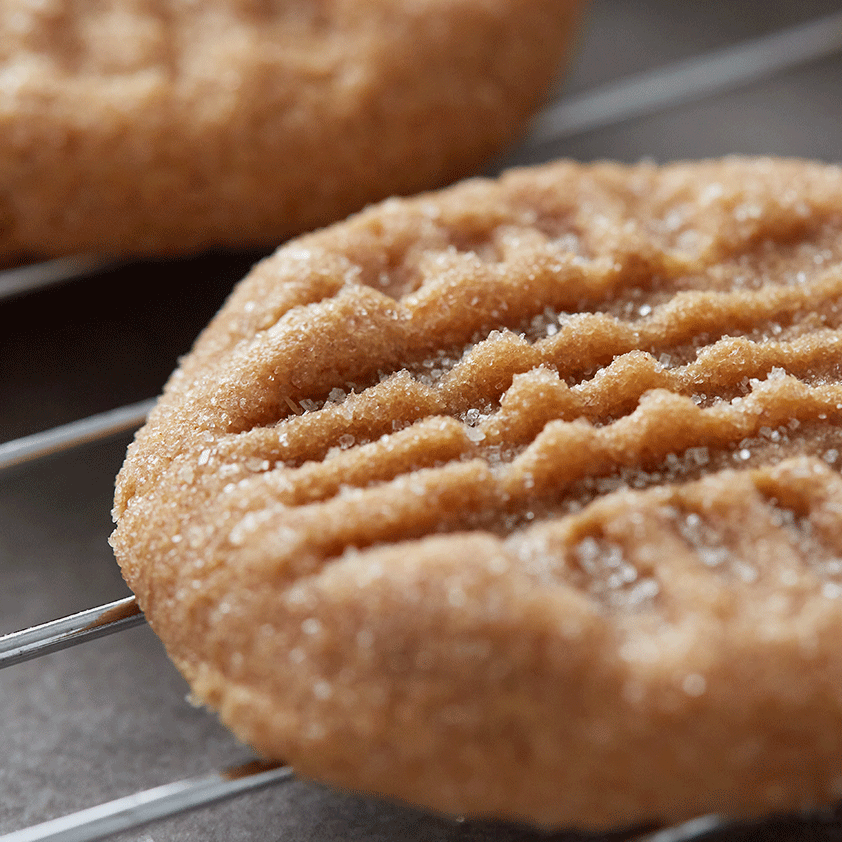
711	82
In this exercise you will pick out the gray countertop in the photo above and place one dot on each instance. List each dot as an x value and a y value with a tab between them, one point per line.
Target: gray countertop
109	718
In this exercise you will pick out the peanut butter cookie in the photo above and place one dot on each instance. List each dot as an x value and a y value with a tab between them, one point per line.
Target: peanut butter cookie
162	126
522	499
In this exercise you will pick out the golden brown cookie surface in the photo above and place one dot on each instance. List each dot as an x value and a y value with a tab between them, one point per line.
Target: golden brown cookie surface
521	499
158	126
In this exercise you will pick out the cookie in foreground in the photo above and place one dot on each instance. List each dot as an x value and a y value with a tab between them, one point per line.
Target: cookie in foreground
521	499
167	127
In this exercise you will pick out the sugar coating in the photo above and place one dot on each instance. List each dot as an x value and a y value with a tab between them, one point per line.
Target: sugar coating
492	498
152	126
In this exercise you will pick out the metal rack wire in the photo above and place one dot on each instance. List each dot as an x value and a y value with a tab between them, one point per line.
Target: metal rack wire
664	88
